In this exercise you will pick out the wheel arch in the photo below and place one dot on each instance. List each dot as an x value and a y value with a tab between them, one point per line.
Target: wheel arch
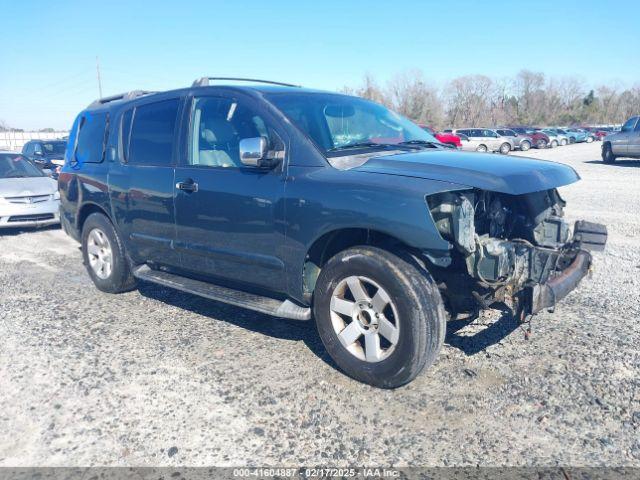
86	210
335	241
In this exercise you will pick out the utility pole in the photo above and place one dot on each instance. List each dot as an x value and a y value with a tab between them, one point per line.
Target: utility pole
99	80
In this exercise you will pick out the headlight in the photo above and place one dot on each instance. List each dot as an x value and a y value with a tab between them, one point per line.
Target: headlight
56	196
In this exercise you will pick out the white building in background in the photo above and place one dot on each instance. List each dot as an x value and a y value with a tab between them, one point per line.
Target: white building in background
15	140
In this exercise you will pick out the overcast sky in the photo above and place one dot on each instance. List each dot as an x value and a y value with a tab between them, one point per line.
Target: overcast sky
49	49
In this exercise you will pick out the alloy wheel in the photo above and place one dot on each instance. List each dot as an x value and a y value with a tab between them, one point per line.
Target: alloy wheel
99	253
364	318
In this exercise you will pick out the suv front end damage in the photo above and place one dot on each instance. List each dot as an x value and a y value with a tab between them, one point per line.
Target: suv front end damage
515	249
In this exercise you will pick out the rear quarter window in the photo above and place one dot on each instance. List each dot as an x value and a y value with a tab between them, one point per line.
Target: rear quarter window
92	137
153	133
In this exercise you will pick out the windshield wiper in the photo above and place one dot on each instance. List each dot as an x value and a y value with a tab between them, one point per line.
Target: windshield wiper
426	143
361	145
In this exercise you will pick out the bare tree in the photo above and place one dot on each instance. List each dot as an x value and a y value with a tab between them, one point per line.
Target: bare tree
476	100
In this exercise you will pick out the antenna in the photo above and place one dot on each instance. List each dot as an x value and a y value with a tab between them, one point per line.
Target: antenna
99	80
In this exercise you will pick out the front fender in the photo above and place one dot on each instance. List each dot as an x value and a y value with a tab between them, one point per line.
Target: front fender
321	200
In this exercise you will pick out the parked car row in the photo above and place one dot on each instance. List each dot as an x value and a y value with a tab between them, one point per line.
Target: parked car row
504	139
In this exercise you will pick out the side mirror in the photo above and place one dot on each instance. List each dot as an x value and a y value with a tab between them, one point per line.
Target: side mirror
253	152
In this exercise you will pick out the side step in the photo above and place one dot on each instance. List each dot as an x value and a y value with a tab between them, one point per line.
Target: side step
270	306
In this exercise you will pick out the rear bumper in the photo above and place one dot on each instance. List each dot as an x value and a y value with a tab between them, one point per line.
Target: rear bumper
555	289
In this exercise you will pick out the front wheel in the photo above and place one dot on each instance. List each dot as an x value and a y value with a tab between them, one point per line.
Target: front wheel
505	148
589	139
554	144
563	142
104	255
541	144
607	154
379	315
481	148
526	145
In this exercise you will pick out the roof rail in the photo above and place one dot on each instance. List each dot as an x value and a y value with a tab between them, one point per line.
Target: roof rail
121	96
204	81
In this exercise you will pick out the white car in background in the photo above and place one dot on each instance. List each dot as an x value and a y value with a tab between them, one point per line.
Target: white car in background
484	140
28	197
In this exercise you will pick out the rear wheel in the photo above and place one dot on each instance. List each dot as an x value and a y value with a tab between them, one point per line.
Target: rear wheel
572	139
379	315
481	148
505	148
554	143
526	145
607	154
563	142
589	139
104	256
541	144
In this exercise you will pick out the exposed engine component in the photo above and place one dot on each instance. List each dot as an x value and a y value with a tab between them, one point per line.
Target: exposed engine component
453	215
504	239
503	245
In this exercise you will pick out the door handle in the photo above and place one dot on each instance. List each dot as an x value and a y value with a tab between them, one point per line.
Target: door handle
187	186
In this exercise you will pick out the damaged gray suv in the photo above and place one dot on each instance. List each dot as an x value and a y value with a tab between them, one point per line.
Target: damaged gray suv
313	205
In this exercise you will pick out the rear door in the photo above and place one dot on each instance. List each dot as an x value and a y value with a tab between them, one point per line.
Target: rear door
493	140
229	217
142	181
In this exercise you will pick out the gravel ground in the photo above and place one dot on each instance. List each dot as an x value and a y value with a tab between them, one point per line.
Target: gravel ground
157	377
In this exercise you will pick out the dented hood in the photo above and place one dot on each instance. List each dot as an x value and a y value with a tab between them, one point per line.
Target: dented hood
497	173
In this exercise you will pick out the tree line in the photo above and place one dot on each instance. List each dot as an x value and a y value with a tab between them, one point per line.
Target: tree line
529	98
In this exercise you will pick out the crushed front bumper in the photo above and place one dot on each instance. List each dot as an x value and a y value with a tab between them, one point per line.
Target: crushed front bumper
546	295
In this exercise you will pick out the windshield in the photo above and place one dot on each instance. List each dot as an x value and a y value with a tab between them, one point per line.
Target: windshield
17	166
337	123
54	148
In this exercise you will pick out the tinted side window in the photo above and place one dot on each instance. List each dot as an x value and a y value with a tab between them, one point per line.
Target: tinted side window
28	149
152	133
91	138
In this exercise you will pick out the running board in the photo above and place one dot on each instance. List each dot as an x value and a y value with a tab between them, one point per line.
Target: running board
270	306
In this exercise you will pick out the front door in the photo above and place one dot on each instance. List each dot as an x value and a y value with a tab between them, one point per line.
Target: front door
634	141
229	216
620	141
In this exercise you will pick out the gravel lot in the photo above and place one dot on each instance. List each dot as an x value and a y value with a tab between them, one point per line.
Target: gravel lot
158	377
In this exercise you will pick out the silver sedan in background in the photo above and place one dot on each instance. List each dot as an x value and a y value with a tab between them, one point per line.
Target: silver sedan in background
519	141
28	197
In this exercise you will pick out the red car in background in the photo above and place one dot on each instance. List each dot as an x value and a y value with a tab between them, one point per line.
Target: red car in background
446	138
598	133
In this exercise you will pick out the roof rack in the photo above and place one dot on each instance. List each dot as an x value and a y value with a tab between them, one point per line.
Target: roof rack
204	81
121	96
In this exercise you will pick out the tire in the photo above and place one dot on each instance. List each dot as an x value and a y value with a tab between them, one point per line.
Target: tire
554	144
102	247
481	148
526	145
541	144
563	142
607	154
505	148
589	139
415	309
572	139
